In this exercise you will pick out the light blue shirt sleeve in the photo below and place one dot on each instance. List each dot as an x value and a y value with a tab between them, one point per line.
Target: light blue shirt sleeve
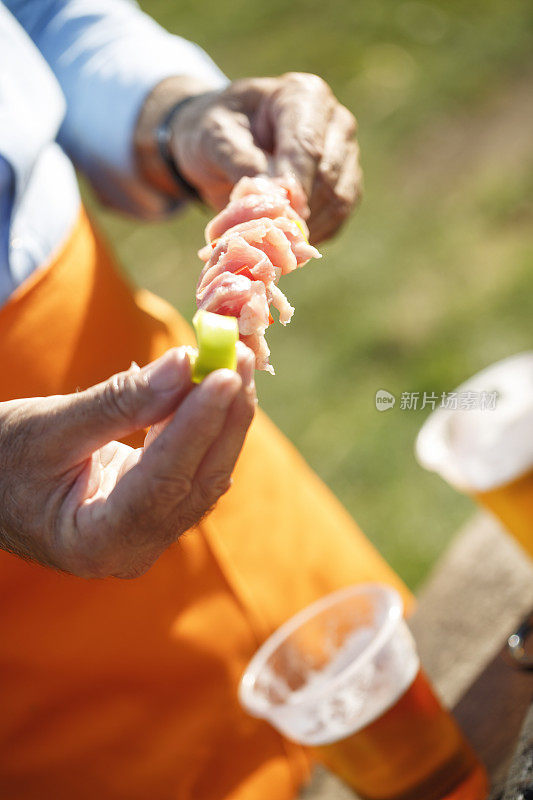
39	197
107	55
31	103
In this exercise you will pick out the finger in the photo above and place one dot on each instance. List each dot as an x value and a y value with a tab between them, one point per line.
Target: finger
300	112
213	477
213	142
230	146
143	514
247	94
149	494
346	195
243	355
340	132
125	403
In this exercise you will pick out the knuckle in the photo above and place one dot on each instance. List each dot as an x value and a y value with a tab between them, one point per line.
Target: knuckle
118	397
22	424
201	503
220	146
204	497
327	175
348	120
215	119
308	80
168	490
215	486
206	492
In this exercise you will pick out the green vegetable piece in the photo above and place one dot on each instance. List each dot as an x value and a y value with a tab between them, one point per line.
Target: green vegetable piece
217	336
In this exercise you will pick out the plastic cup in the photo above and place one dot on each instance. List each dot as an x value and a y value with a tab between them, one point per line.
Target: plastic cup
343	677
487	452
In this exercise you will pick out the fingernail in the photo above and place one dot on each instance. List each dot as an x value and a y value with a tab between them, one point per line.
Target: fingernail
165	374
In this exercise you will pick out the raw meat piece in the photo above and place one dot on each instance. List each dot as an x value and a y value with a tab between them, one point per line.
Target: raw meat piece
276	297
265	235
302	250
237	296
251	206
287	187
262	351
280	238
233	254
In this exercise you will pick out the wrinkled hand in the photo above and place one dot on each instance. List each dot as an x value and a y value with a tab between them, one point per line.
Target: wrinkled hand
273	125
72	499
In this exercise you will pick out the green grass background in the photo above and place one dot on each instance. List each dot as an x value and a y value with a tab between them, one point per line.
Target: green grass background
431	280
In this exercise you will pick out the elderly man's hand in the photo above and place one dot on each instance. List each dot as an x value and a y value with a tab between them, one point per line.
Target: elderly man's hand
72	499
290	124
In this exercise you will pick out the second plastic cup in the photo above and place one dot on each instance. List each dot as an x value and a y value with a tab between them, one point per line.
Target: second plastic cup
487	453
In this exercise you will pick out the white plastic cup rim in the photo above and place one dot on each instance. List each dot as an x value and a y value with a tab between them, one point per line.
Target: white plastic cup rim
433	446
259	707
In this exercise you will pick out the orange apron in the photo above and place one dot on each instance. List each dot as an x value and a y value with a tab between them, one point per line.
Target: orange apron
127	689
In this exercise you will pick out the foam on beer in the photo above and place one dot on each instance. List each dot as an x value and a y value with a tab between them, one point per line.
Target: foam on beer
479	449
360	698
362	676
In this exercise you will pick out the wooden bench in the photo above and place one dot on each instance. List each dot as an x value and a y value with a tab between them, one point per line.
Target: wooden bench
475	597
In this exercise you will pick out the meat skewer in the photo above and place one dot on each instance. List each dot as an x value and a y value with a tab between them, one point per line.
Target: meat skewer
256	239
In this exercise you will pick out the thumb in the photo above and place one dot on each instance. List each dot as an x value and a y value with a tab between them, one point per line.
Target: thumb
123	404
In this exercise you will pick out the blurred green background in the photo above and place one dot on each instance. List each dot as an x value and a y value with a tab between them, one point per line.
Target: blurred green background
430	281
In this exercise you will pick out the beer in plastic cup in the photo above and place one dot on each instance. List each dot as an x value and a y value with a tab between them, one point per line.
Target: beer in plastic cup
343	677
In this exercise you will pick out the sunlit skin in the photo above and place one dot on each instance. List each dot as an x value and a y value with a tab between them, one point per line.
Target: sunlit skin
289	124
89	505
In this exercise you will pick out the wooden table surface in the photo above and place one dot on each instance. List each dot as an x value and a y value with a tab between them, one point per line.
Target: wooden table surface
492	713
519	784
477	595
